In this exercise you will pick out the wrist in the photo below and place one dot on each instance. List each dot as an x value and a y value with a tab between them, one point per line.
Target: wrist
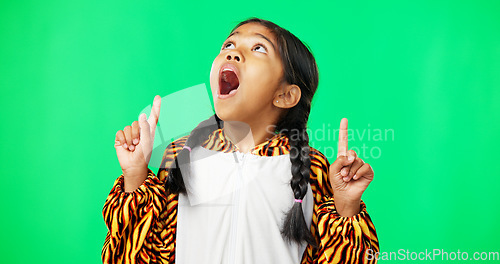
347	207
133	178
134	172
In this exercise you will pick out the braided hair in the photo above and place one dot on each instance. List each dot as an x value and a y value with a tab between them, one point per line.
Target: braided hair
174	182
300	69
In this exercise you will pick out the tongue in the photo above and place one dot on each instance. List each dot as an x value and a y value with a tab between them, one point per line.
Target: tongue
228	82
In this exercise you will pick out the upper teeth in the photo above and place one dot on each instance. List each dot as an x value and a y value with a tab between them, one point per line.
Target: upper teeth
227	69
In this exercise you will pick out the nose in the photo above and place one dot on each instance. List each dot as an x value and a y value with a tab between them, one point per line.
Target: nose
234	56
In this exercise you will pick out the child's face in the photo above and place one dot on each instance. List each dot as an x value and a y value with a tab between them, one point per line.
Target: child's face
252	54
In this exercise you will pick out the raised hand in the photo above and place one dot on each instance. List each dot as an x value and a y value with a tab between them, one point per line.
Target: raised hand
349	175
134	145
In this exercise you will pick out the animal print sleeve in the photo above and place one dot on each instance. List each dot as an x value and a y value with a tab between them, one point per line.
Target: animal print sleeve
340	239
130	217
141	224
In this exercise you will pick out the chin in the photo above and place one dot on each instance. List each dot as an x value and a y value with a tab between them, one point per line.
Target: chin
224	112
228	114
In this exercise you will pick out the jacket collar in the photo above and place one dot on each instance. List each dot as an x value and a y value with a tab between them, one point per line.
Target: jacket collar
277	145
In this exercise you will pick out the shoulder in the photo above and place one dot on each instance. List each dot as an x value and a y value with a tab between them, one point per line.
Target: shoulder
319	179
171	151
175	146
318	158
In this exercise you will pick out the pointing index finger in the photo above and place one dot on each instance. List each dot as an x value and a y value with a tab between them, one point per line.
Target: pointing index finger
342	147
155	111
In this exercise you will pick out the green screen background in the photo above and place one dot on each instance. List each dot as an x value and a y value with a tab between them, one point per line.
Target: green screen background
72	73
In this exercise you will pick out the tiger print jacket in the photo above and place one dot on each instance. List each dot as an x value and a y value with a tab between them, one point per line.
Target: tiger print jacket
142	224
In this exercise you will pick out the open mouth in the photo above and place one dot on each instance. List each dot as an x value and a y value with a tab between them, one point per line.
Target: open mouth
228	82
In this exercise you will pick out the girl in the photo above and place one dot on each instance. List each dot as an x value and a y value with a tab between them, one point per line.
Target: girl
244	186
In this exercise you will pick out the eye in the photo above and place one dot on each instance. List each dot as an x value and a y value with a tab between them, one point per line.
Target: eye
227	45
260	48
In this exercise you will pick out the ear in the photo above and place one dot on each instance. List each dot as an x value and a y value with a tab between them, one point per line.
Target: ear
287	97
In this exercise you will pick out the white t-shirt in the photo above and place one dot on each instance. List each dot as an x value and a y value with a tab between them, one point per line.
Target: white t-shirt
234	209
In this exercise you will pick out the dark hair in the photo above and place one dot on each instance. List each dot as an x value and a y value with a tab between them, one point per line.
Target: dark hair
300	69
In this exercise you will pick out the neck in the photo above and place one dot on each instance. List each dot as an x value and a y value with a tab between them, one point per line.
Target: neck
246	136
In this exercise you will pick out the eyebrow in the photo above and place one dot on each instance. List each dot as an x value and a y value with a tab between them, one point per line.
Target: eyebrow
258	34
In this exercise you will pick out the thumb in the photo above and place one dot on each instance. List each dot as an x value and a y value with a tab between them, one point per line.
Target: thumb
145	132
339	163
146	144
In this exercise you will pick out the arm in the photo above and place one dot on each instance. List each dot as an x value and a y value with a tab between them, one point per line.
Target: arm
131	219
141	224
340	239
